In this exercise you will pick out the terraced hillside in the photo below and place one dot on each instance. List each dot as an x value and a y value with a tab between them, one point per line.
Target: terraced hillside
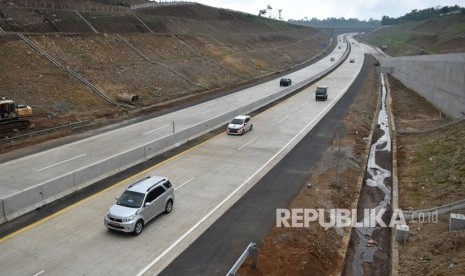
160	54
441	35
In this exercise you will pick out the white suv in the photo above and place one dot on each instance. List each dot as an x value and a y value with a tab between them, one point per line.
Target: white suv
240	125
139	204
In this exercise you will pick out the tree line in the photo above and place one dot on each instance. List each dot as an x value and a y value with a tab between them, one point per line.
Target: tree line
333	22
418	15
414	15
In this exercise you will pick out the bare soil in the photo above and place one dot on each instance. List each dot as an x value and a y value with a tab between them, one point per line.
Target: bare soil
195	51
431	173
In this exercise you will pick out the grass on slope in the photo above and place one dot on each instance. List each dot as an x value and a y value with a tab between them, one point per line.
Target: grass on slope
436	36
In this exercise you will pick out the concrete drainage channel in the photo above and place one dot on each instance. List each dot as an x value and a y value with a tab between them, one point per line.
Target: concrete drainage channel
369	247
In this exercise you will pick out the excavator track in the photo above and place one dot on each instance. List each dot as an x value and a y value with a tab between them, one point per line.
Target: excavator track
14	124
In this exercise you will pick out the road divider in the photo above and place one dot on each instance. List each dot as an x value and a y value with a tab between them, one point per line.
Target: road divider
27	200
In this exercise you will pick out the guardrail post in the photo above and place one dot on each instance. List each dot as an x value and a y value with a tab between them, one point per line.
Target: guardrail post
251	249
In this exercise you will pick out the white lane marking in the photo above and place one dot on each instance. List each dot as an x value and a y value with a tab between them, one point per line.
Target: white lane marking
184	183
208	110
248	143
192	229
283	119
59	163
157	129
38	273
208	105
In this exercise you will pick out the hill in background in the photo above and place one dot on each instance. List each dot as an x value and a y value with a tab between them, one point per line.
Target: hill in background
440	35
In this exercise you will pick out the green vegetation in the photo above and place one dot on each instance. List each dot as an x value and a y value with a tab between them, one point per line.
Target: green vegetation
338	23
441	163
419	15
439	35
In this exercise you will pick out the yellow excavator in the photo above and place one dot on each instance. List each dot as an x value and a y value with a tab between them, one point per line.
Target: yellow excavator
13	116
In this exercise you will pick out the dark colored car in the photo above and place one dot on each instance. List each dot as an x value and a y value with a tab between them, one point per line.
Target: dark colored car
285	82
321	93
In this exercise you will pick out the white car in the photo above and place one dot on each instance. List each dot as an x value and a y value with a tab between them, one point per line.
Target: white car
239	125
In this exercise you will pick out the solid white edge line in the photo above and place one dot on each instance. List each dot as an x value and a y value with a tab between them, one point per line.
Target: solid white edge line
184	183
180	239
56	164
245	145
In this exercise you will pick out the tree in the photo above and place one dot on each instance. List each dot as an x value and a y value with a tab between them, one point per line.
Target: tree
269	8
261	12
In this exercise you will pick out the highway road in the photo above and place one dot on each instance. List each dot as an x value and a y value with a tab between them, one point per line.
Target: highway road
208	180
35	170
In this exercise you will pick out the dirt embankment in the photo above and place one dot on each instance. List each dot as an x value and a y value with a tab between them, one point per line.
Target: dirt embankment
315	250
193	50
431	173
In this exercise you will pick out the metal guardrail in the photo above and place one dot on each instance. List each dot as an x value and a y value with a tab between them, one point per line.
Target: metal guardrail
44	131
455	122
251	250
440	210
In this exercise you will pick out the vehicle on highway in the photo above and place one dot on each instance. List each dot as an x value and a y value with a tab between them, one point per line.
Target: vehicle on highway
285	82
321	93
240	125
352	60
140	203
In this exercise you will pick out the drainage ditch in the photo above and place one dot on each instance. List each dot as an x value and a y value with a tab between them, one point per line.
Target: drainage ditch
369	246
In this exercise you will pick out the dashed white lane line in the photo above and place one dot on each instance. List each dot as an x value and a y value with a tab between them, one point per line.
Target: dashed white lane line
38	273
245	145
284	119
157	129
59	163
226	199
184	183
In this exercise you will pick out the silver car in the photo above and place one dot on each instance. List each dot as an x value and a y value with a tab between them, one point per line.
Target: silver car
140	203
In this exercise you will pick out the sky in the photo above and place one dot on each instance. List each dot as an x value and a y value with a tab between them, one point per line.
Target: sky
322	9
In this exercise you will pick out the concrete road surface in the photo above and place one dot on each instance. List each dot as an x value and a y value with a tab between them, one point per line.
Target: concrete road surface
32	171
208	180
